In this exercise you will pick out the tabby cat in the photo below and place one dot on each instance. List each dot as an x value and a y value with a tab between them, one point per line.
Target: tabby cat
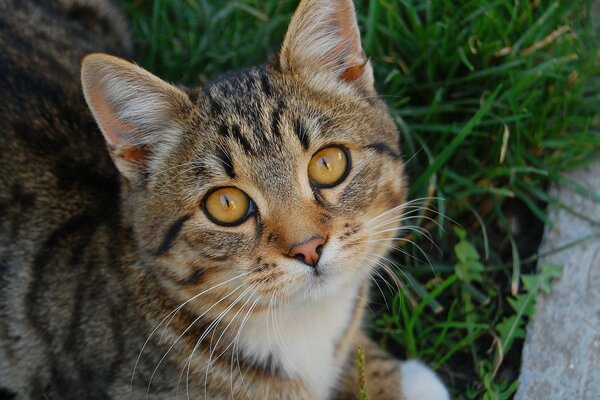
229	253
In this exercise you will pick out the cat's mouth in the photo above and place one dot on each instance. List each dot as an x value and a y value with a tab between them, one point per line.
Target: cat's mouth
324	279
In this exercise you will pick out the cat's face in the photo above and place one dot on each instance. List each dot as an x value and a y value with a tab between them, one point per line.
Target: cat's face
257	133
280	181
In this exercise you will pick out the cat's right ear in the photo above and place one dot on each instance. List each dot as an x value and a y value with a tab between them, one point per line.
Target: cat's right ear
136	111
323	45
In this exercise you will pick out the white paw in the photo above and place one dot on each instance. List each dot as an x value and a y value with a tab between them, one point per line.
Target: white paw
421	383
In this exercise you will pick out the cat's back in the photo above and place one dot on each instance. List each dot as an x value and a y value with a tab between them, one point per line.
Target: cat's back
59	191
53	162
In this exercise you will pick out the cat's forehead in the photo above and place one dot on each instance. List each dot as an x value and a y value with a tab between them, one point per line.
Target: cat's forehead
261	127
251	123
243	92
269	105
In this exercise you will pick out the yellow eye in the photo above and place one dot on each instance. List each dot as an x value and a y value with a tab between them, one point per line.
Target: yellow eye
228	206
328	167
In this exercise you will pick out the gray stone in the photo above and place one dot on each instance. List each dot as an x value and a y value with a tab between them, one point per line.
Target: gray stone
561	357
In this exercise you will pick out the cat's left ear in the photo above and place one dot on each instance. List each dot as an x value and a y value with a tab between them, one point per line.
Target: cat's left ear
323	42
138	113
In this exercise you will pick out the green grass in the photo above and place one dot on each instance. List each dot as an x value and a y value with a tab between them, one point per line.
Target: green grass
494	99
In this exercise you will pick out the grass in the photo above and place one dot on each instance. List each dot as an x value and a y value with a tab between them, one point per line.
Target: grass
494	100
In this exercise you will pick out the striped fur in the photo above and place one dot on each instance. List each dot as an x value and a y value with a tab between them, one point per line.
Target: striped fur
114	284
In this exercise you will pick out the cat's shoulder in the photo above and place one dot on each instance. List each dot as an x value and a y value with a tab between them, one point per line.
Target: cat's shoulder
33	23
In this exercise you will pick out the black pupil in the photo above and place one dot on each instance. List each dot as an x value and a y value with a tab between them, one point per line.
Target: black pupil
325	163
225	200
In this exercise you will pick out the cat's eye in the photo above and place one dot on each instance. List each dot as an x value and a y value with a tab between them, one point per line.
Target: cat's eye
228	206
329	167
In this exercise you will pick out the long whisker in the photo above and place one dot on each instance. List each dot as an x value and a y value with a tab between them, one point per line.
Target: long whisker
235	350
397	238
402	228
212	326
219	340
401	218
185	331
278	338
389	267
401	250
400	207
379	286
378	261
172	314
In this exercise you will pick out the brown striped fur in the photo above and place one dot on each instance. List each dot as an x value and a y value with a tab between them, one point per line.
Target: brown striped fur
110	276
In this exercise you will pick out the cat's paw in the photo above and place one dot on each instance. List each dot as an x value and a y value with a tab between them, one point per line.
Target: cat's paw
421	383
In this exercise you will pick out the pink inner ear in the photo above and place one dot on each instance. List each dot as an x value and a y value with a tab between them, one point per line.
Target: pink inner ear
117	132
353	73
324	36
350	46
133	154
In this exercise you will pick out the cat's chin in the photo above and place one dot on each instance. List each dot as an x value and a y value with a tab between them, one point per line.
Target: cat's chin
326	282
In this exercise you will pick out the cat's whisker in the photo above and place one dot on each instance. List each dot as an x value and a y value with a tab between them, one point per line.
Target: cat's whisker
228	162
391	275
382	242
389	268
278	339
409	205
376	260
391	246
428	262
402	217
399	227
406	205
377	283
410	228
212	326
186	330
401	206
235	316
397	220
172	315
235	350
439	214
203	292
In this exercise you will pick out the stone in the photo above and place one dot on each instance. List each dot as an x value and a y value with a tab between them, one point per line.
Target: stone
561	356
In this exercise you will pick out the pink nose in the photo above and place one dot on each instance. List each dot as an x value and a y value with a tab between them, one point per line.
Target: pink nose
308	252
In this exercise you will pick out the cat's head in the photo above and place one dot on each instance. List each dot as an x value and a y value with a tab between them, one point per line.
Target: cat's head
280	179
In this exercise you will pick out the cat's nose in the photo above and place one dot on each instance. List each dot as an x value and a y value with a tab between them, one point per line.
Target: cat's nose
308	252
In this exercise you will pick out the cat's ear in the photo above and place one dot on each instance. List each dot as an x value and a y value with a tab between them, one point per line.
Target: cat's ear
136	111
323	39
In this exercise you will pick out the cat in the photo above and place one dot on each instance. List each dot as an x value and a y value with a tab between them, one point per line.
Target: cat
222	247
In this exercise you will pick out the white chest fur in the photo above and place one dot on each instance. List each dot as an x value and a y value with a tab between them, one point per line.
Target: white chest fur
301	339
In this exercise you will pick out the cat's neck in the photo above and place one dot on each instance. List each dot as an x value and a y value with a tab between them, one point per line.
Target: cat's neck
302	340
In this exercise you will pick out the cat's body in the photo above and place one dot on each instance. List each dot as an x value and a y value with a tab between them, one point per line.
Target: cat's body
141	294
59	199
